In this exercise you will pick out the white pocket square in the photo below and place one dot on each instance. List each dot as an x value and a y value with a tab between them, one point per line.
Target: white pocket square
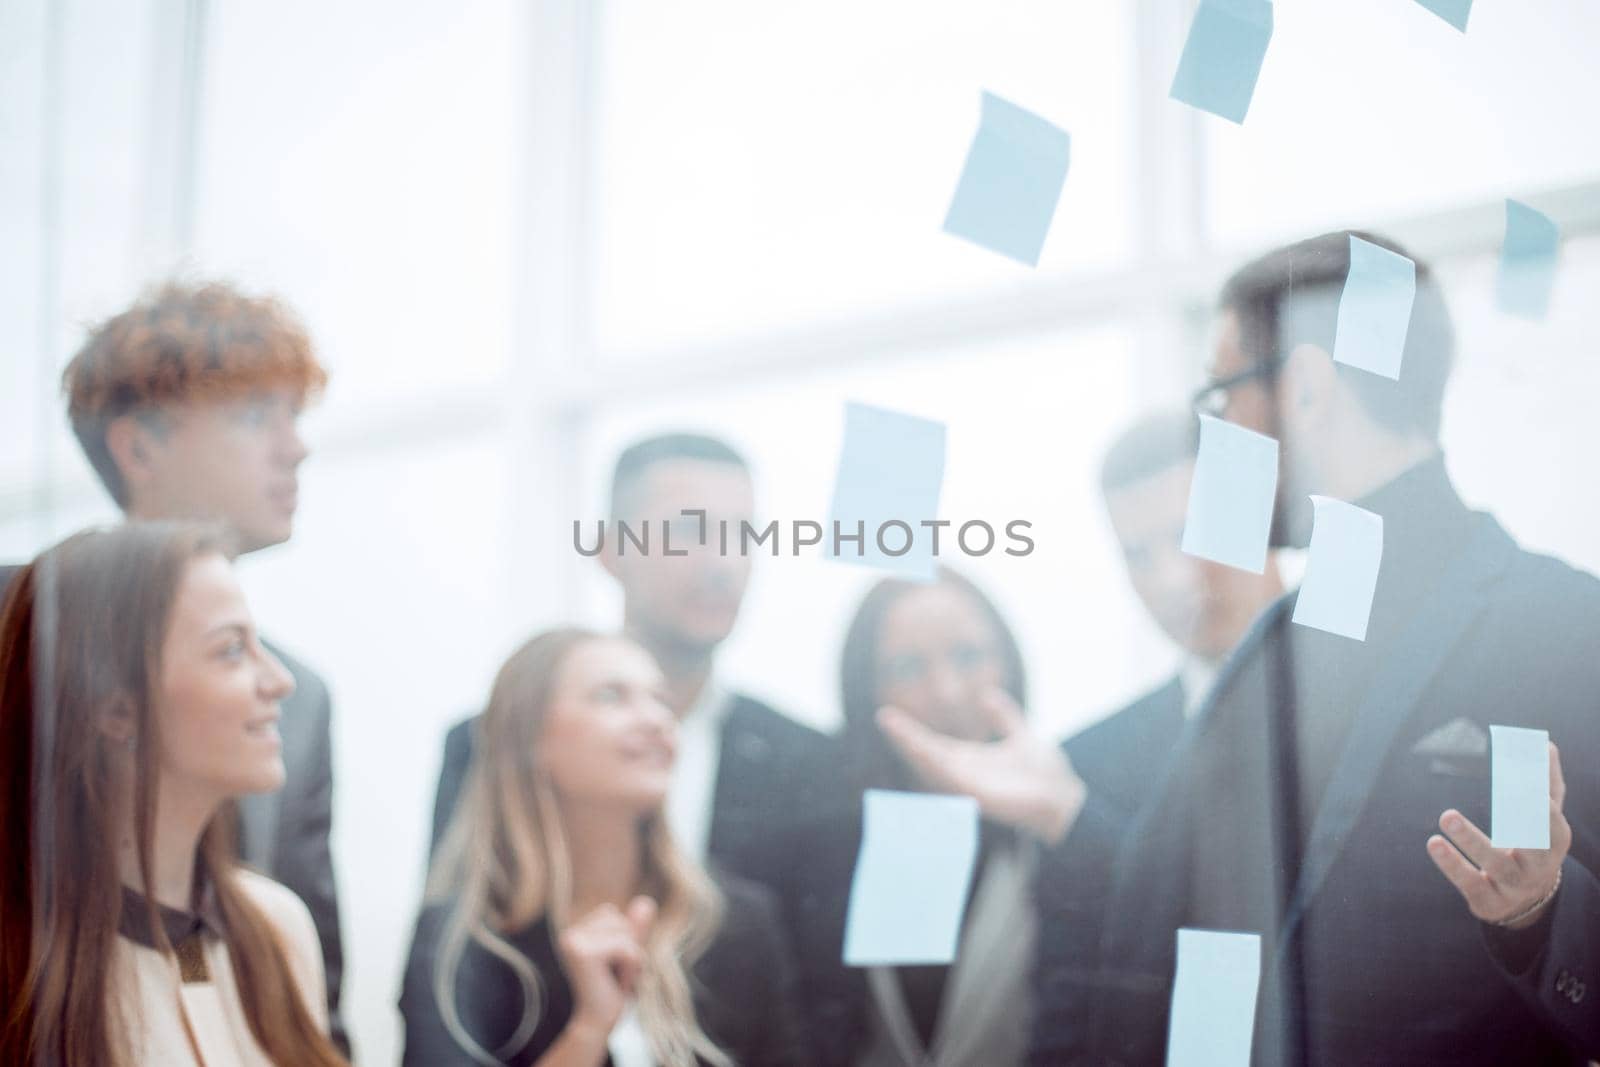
1458	737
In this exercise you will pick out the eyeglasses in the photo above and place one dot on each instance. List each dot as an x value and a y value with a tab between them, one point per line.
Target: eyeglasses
1212	398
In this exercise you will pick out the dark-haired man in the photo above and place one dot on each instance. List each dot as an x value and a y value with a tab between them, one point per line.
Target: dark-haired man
1301	805
743	769
186	405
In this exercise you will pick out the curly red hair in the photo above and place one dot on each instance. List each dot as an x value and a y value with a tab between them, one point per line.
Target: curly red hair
179	344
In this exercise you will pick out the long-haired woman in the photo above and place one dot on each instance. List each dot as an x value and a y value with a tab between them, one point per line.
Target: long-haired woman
563	926
941	654
135	704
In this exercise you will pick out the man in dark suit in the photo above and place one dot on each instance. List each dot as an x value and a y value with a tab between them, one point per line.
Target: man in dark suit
1302	800
744	771
186	405
1112	766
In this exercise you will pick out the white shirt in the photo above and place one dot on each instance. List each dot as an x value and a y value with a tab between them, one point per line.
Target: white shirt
694	778
1196	677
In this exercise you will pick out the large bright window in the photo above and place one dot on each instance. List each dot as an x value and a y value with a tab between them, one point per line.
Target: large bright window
759	166
1371	110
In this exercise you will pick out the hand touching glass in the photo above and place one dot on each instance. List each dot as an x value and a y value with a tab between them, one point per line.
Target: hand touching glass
1509	887
1018	778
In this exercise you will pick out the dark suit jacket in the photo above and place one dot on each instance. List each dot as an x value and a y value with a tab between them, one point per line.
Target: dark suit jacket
770	773
1120	759
1393	966
742	987
285	834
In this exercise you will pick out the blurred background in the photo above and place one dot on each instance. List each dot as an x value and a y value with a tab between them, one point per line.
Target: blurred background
523	234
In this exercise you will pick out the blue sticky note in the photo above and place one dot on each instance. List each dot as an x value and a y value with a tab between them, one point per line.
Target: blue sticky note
1342	568
891	469
1454	12
1527	262
1222	56
1375	309
1231	497
1519	787
911	879
1214	999
1011	183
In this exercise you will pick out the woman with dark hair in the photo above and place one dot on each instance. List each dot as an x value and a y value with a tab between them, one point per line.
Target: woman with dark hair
136	704
941	655
564	926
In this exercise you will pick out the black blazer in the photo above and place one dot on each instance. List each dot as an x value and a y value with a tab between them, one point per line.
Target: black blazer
742	988
1394	967
285	834
1120	759
771	772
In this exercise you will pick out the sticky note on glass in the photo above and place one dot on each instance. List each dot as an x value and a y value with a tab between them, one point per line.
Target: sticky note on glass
1375	309
1214	999
1341	568
1527	262
1519	787
891	469
1231	496
911	880
1011	183
1222	56
1454	12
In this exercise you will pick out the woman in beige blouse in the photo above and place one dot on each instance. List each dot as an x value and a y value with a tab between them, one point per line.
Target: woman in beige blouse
135	704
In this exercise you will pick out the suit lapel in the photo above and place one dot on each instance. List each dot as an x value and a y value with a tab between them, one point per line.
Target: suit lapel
1243	653
1146	878
1405	674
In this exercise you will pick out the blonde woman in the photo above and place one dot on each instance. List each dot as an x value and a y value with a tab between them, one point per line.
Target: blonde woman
563	927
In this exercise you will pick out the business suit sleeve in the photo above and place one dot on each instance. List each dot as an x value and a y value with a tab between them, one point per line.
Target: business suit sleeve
305	837
1555	964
